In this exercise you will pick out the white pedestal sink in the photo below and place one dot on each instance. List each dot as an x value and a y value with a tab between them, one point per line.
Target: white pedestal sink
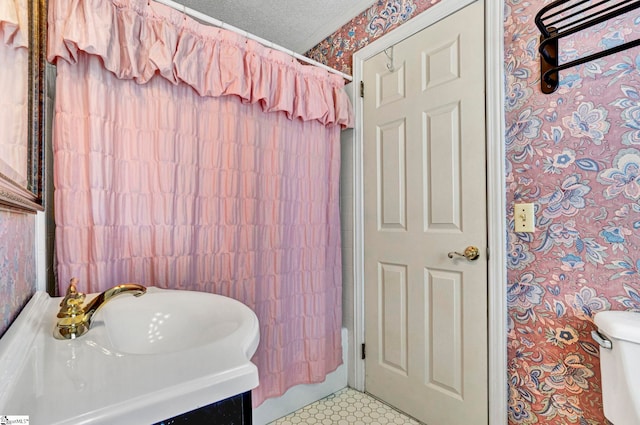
144	359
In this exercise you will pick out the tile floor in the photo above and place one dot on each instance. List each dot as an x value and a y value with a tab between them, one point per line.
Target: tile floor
346	407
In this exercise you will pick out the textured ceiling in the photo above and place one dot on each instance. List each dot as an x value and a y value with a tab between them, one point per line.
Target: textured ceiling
295	24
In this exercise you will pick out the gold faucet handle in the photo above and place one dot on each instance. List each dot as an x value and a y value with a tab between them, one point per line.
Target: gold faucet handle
72	292
71	304
72	308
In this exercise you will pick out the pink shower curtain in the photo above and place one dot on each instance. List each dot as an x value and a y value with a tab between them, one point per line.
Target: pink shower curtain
188	157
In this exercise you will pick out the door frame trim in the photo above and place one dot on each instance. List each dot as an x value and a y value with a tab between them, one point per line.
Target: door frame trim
496	197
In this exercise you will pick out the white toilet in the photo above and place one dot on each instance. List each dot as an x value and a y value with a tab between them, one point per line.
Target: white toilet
619	338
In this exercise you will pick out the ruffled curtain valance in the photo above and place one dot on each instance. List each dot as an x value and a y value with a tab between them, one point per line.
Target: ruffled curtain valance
139	39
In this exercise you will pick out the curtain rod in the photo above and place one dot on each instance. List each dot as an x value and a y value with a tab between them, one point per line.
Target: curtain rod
216	22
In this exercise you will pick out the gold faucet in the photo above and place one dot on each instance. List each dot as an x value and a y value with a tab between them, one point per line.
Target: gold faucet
74	320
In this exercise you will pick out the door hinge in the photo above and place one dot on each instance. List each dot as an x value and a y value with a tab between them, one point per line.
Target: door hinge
361	88
363	352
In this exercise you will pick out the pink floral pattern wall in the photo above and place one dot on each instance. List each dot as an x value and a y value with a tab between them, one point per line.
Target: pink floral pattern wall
384	16
17	264
576	155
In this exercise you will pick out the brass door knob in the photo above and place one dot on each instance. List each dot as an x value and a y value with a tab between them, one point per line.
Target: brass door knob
470	253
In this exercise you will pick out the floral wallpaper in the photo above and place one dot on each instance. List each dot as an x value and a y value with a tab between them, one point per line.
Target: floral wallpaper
384	16
17	264
575	154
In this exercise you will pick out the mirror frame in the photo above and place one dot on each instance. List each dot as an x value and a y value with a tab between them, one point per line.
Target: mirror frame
12	195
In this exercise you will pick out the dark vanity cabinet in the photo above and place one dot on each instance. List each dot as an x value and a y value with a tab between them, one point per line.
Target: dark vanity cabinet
234	410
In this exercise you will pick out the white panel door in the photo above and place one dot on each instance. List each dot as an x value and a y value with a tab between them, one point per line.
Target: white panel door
425	196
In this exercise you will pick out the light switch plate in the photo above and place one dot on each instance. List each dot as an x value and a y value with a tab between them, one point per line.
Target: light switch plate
525	219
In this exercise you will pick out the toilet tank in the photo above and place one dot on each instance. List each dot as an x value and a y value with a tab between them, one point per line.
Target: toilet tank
620	366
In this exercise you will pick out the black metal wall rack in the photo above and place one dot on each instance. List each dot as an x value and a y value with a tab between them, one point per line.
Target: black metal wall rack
561	18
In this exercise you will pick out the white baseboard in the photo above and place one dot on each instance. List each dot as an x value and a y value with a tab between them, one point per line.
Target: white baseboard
304	394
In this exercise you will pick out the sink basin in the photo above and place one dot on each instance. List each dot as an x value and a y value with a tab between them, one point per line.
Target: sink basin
164	321
144	360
